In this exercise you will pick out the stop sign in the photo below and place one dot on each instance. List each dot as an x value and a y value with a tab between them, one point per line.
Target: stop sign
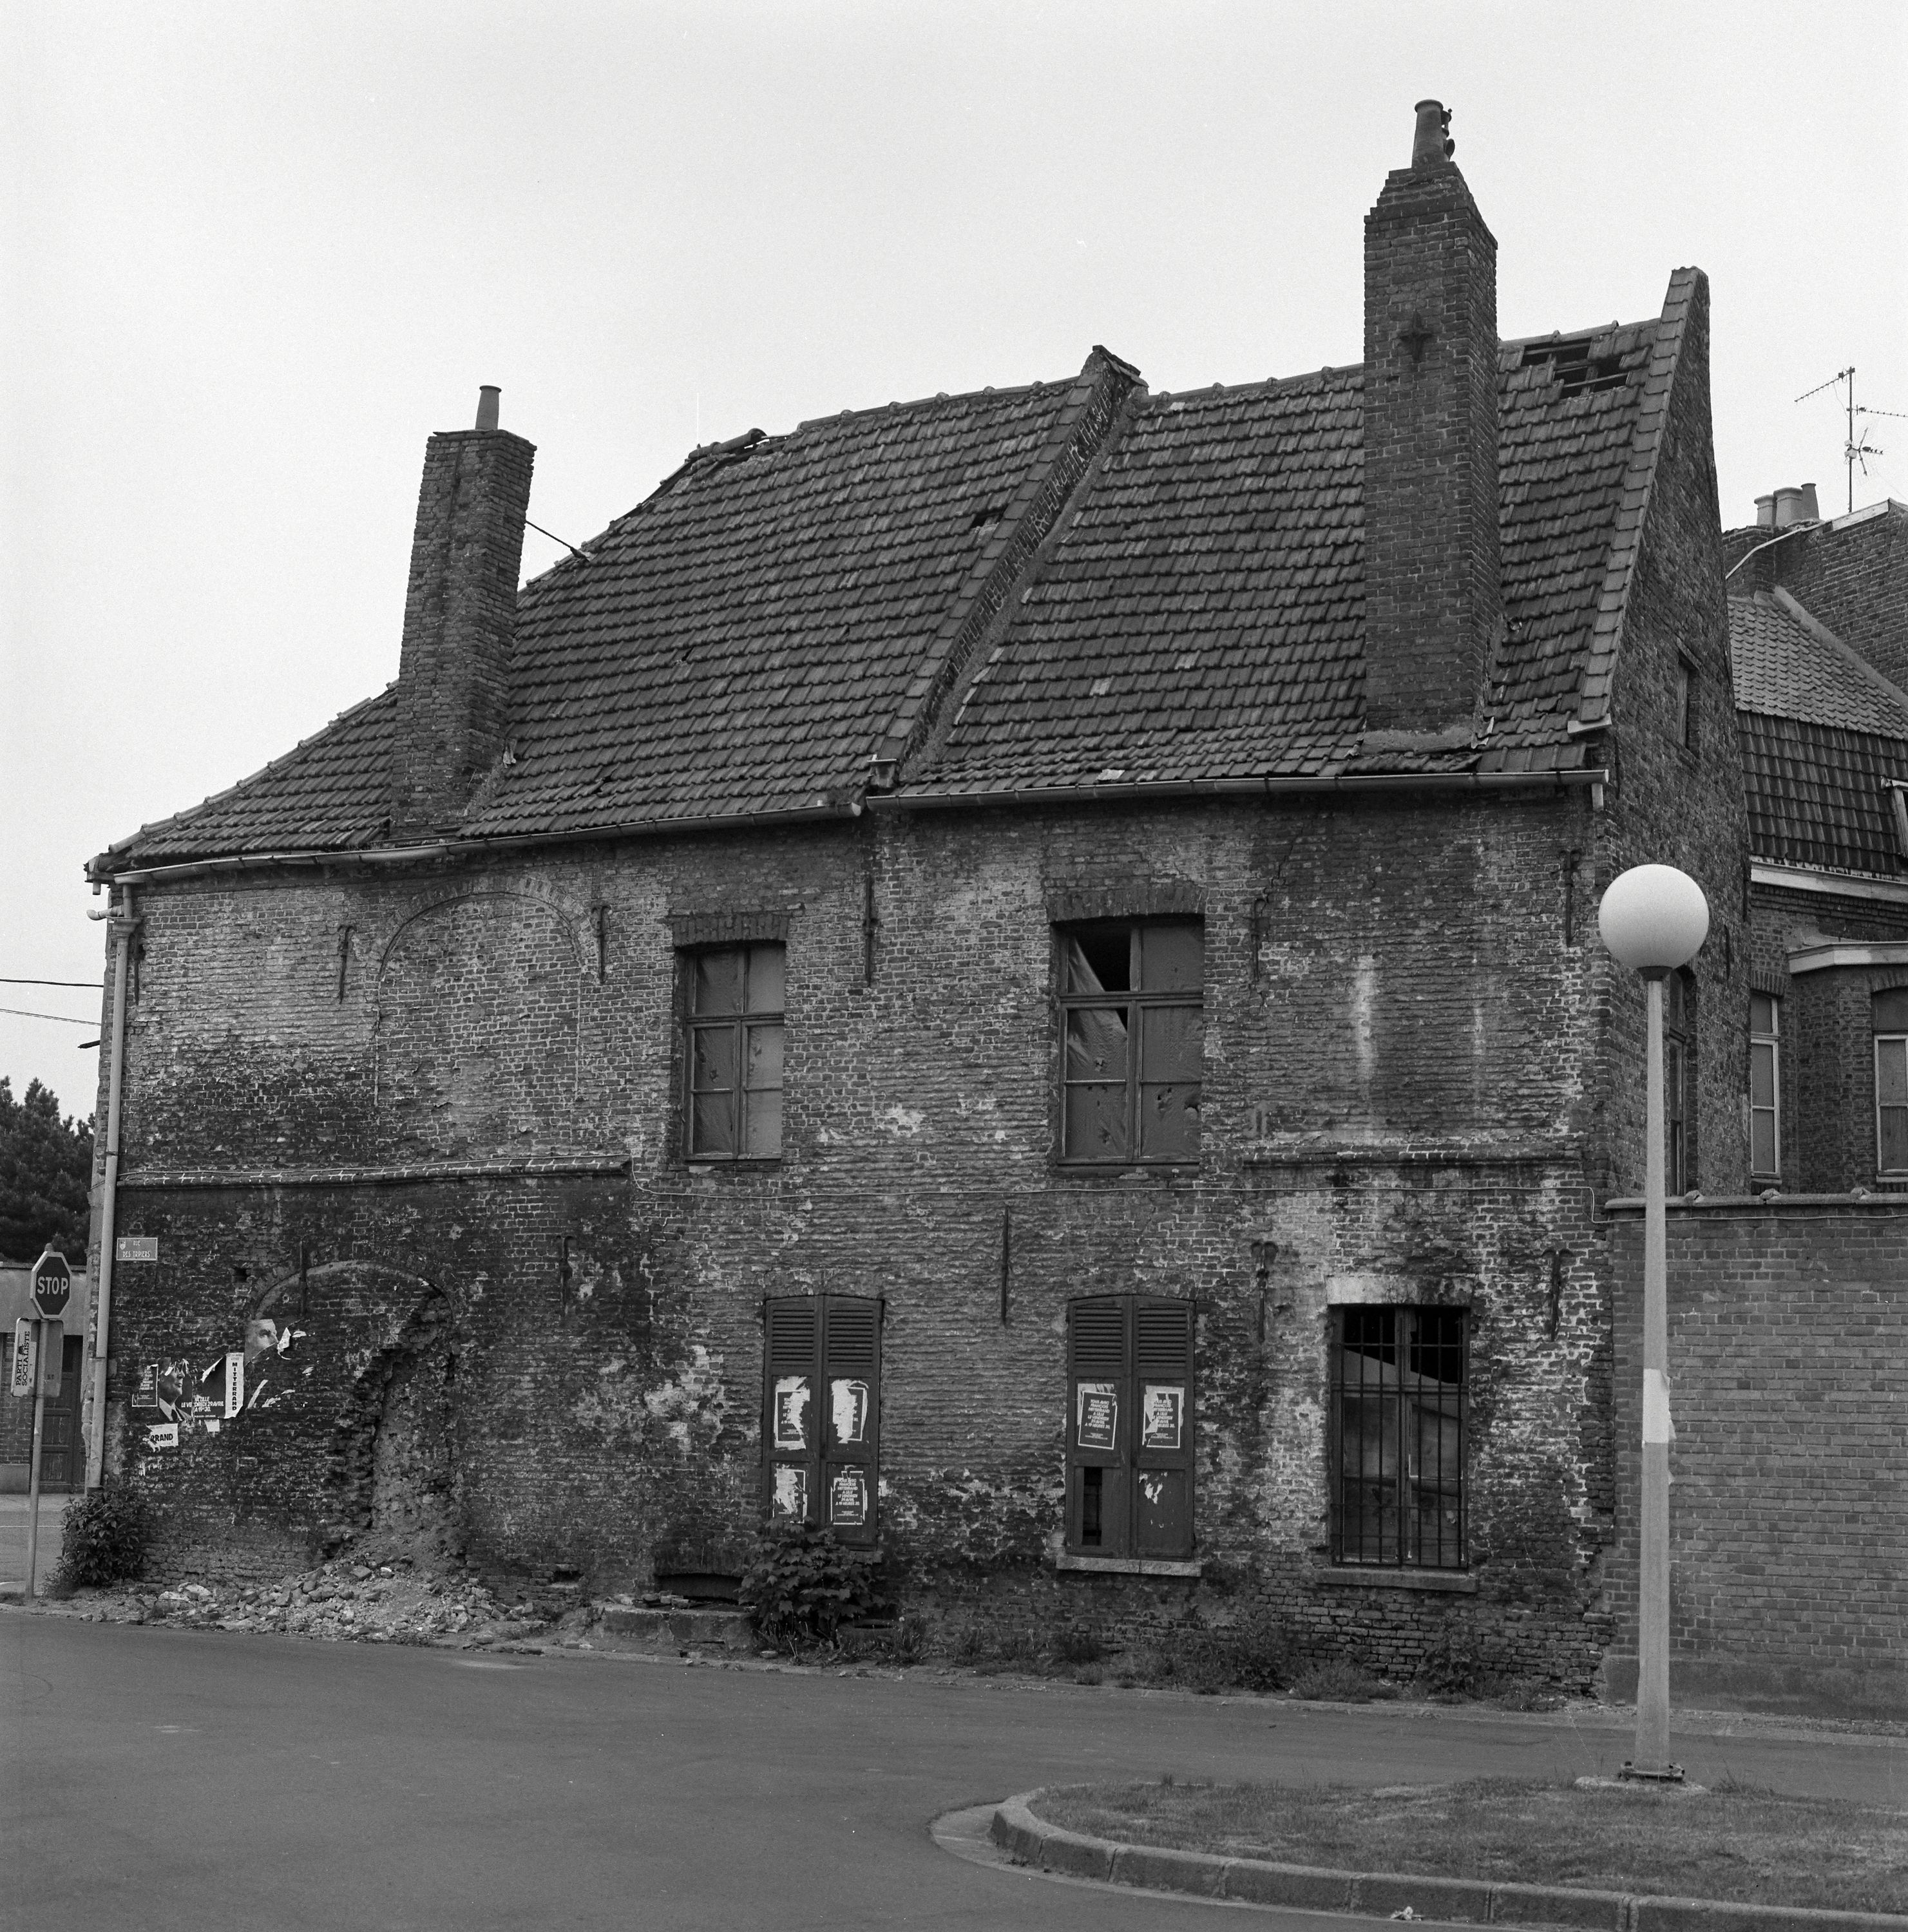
52	1285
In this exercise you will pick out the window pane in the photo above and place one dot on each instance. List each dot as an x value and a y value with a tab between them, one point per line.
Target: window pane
712	1127
1096	1043
1762	1013
1170	1042
1892	1072
714	1065
764	1067
718	982
761	1116
1169	1120
1762	1074
1762	1142
1096	1122
1171	958
765	988
1891	1011
1099	959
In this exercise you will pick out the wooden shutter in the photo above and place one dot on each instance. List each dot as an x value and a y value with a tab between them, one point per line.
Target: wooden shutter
791	1411
1163	1428
1099	1425
848	1499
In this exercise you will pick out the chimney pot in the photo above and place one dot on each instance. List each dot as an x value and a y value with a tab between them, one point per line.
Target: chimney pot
1430	143
1795	504
486	395
1765	512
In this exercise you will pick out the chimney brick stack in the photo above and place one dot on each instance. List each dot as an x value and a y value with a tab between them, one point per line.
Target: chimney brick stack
460	619
1433	594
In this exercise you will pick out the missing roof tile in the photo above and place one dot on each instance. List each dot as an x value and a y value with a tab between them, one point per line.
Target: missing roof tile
1572	366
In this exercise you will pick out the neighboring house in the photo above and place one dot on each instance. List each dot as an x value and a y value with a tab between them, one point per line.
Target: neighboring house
62	1458
1014	974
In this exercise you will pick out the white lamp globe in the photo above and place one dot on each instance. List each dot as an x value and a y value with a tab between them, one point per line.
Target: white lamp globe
1653	918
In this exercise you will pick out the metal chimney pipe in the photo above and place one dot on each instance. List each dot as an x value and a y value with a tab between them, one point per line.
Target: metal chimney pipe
486	395
1430	144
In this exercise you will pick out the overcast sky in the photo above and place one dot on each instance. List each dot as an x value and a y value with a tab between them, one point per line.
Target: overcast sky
255	254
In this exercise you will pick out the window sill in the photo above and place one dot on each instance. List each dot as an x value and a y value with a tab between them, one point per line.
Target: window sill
1129	1566
1461	1581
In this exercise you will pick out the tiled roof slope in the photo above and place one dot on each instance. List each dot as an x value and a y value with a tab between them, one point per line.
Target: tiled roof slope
1786	664
786	606
1818	794
1824	737
1201	615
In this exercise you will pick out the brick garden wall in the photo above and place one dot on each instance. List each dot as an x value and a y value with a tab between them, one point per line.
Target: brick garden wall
1789	1503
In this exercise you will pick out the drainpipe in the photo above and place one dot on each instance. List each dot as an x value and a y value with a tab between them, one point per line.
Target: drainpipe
124	926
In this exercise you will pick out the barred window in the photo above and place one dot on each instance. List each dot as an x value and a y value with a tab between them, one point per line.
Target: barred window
1130	997
1398	1437
734	1053
1765	1087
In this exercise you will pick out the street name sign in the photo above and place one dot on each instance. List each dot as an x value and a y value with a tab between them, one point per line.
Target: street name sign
24	1353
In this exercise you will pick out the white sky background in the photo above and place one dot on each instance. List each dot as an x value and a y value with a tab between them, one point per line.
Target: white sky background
255	254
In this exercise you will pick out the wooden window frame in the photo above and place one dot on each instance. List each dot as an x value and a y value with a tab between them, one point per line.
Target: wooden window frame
1887	1015
822	1339
739	1024
1766	1047
1406	1549
1138	1003
1132	1497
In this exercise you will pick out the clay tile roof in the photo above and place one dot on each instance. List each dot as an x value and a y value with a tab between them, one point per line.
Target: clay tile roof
1786	664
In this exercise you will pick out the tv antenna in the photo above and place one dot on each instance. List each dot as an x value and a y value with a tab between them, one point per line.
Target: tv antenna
1858	449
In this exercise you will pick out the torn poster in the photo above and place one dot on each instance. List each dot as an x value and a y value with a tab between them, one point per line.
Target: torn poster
791	1411
162	1436
1162	1410
789	1501
1098	1424
174	1390
848	1497
261	1338
146	1390
235	1385
849	1402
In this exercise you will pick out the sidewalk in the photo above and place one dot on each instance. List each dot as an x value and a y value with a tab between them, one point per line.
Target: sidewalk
13	1540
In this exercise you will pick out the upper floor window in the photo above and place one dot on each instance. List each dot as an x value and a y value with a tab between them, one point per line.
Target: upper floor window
1891	1024
1765	1086
734	1053
1678	1083
1130	995
1397	1437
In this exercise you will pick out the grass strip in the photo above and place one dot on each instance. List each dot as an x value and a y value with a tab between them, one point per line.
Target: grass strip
1743	1843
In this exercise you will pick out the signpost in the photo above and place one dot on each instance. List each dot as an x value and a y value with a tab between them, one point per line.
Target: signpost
53	1289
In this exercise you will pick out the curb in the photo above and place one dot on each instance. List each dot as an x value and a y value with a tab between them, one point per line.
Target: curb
1395	1894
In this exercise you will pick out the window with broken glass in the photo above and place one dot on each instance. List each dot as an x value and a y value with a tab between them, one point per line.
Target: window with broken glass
1133	1036
733	1054
1397	1437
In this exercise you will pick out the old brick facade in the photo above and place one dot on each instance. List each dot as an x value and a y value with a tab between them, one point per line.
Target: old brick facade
902	703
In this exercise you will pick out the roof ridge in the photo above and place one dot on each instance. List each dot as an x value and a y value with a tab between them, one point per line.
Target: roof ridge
1687	286
283	758
927	402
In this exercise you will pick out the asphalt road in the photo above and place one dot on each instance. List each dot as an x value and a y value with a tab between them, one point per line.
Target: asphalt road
160	1778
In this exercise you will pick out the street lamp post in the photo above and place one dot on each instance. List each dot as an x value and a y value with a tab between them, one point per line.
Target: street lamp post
1653	918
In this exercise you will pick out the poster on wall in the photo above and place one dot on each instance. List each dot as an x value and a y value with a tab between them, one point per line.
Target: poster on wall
162	1436
788	1500
791	1411
173	1389
146	1390
235	1385
848	1402
1097	1426
1162	1414
848	1498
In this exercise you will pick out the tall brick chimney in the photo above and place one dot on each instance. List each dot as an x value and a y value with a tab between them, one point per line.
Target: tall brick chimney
1433	595
460	615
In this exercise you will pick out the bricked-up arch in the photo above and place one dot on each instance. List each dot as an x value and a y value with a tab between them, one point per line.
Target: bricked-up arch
477	1028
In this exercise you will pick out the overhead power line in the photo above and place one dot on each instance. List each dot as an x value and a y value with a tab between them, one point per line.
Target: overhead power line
84	985
20	1012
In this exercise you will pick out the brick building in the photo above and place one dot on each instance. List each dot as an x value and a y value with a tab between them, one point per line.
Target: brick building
1014	973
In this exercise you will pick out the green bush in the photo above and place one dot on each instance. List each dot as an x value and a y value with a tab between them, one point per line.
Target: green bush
105	1536
802	1585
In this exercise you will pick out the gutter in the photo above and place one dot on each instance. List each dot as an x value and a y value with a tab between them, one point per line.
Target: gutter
465	848
1596	778
125	925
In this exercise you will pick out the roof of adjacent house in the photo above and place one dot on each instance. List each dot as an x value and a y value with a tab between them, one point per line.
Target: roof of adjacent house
1024	588
1824	736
